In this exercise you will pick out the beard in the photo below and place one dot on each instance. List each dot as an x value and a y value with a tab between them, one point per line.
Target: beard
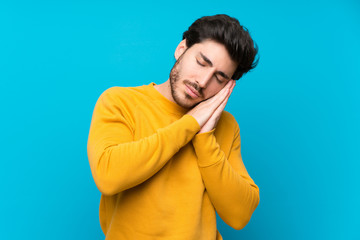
187	101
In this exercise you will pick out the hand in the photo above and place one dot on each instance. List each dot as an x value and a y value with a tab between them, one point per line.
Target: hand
208	112
213	120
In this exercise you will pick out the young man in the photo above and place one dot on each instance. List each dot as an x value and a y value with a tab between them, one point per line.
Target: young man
167	157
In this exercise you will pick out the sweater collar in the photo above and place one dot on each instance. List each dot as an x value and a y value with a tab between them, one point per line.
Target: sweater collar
168	105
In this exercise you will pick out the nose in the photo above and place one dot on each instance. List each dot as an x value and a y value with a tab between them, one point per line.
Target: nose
204	78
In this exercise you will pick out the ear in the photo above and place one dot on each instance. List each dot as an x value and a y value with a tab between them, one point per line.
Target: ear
180	49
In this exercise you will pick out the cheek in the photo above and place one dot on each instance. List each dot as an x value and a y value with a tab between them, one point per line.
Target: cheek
189	72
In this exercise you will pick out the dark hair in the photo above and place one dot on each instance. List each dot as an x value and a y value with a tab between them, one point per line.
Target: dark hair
227	31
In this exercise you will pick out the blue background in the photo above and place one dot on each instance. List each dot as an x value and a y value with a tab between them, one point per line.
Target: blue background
298	110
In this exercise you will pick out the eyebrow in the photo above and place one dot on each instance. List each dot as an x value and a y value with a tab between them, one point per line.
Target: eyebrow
210	63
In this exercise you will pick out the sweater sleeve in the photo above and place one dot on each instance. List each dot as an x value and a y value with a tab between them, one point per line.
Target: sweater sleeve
233	193
118	162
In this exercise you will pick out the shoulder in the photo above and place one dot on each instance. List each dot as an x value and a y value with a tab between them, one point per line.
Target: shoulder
120	102
228	119
227	131
227	125
123	94
120	91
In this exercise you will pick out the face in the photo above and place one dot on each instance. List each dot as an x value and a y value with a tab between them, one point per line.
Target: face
200	72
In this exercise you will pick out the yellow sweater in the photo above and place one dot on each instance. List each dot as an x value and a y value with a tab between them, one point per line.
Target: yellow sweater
159	179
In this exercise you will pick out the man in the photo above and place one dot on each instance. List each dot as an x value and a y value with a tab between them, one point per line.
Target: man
167	157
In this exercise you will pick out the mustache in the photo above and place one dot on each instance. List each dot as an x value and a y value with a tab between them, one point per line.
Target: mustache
194	85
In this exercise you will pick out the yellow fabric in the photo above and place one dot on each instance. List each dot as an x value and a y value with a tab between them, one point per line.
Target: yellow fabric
159	179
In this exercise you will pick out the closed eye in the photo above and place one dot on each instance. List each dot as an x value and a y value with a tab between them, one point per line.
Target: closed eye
200	63
218	80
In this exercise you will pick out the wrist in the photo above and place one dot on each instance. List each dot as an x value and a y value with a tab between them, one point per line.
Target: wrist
206	130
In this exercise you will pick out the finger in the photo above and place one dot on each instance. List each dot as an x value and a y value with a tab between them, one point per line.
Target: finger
213	103
220	108
217	99
222	105
212	107
233	86
224	89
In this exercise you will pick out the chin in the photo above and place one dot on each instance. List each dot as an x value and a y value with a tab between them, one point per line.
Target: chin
185	104
185	101
179	94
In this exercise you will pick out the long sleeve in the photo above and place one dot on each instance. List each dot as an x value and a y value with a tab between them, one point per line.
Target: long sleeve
118	162
231	190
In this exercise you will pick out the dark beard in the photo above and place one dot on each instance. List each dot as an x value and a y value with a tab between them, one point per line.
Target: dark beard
174	79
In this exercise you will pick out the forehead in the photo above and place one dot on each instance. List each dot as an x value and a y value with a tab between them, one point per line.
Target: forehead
215	52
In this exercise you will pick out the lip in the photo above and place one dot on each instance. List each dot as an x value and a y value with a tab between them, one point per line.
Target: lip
192	92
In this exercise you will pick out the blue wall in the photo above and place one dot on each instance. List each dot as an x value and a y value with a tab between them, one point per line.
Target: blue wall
298	110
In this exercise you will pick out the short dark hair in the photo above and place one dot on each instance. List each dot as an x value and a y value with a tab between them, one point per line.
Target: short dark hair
227	31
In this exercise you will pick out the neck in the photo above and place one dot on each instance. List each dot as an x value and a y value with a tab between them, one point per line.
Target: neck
165	90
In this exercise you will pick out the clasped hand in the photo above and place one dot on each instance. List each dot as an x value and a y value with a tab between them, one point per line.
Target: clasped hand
208	112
